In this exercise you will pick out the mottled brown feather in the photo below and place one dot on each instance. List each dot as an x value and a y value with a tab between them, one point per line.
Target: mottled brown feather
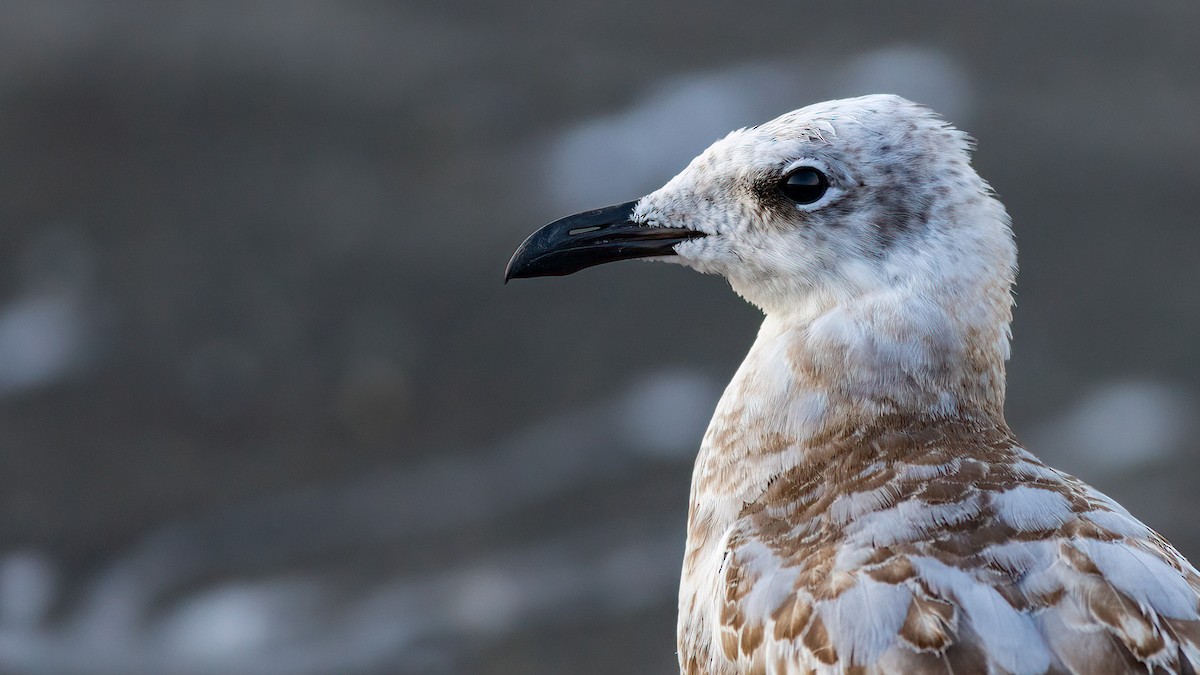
929	625
975	460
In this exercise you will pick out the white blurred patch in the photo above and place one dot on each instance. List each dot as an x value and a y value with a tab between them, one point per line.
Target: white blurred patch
49	328
238	618
921	74
666	413
485	600
41	339
1122	425
28	587
630	152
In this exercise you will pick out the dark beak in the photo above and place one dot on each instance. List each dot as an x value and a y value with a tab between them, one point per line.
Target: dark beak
591	238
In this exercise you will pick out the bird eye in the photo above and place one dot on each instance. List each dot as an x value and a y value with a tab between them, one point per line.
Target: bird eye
804	185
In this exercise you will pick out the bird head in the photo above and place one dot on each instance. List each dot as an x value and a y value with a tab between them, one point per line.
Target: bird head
834	202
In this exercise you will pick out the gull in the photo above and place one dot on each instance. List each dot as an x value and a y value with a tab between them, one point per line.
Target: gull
859	503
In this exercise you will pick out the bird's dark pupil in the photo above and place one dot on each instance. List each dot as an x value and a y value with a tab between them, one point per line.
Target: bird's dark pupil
804	185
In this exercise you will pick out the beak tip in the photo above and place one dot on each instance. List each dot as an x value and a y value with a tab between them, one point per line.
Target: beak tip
512	270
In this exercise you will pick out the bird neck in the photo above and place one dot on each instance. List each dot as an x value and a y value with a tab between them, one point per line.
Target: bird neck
840	369
907	350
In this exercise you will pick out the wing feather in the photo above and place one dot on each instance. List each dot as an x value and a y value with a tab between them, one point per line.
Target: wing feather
969	567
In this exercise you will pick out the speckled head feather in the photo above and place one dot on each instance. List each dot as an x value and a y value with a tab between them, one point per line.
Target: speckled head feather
859	504
903	207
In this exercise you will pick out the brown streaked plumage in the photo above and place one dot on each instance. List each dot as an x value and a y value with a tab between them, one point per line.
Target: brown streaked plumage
859	504
960	468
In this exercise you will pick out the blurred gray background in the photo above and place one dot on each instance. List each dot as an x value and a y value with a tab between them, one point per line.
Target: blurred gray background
265	406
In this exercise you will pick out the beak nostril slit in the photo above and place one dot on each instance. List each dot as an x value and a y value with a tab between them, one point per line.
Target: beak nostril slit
582	230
